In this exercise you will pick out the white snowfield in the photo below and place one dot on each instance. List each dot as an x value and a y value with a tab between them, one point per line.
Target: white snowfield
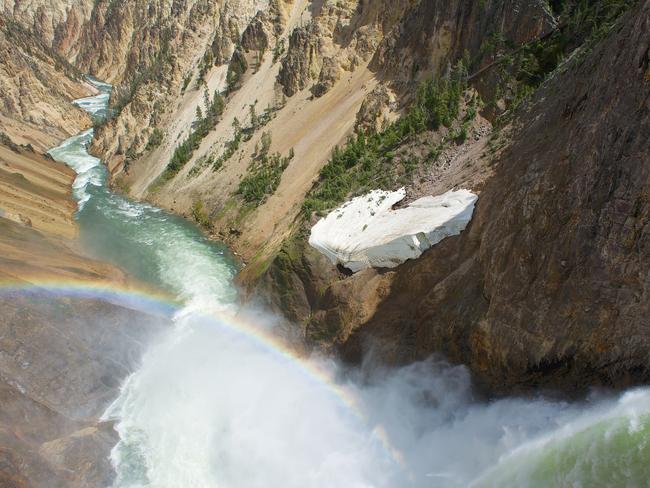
366	232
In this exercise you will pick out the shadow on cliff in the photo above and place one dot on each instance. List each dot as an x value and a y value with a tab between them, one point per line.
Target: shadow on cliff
548	286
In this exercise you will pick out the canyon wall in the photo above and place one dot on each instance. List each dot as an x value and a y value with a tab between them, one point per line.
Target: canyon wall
62	358
296	79
295	76
36	87
547	287
56	24
227	112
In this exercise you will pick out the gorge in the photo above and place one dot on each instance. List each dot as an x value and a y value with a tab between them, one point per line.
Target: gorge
496	358
217	397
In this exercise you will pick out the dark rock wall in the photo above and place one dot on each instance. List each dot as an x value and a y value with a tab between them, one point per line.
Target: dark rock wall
437	33
548	286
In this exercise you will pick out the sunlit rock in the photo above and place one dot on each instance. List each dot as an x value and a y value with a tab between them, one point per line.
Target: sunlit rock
367	232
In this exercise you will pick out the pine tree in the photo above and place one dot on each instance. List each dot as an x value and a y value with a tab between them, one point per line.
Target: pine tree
254	119
266	143
206	100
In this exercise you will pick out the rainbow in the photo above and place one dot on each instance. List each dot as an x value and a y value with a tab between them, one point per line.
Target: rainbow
164	305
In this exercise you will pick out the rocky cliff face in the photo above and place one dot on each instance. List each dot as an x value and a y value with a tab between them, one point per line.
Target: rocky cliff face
62	359
434	34
161	59
302	74
547	286
36	87
56	24
54	389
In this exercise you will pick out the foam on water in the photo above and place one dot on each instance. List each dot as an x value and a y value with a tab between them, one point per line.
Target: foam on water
607	445
95	104
89	169
211	407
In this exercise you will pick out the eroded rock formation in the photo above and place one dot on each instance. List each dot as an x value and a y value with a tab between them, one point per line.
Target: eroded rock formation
36	86
547	287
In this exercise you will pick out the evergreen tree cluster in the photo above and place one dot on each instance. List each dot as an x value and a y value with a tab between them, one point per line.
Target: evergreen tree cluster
202	126
366	159
265	173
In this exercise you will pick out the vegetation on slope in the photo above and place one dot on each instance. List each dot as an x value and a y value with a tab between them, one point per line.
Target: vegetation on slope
367	159
33	46
521	69
155	71
236	69
265	173
183	153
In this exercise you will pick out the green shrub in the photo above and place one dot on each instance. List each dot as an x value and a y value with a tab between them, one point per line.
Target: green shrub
236	69
183	152
230	148
154	71
200	215
186	82
263	179
155	139
366	160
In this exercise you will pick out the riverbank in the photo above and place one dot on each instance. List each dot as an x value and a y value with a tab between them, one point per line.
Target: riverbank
547	286
68	337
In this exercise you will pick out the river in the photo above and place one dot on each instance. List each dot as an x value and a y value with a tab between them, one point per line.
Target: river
220	401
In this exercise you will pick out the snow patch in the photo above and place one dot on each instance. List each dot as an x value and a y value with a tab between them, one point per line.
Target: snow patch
366	232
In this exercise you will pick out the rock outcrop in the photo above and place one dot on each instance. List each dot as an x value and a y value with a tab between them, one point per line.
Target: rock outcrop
547	287
255	37
56	24
435	34
62	361
300	64
62	358
36	86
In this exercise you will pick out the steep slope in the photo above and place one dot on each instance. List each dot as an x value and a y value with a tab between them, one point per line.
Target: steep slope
36	191
295	75
61	358
56	24
62	363
547	287
36	86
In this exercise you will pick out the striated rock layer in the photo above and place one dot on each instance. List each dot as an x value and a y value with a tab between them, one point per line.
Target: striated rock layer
62	359
36	86
56	23
548	285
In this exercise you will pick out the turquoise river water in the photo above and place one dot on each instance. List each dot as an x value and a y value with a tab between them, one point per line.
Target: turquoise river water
218	401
